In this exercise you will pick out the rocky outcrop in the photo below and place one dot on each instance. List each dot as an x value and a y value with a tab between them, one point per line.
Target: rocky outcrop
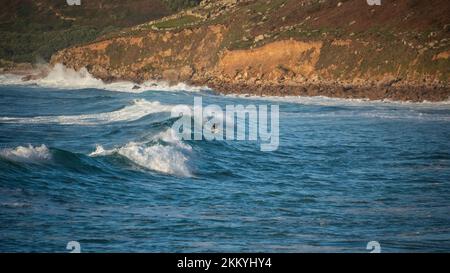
158	56
273	63
354	66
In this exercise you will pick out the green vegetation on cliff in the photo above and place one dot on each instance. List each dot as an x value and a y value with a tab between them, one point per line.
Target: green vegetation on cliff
177	5
281	46
177	22
33	30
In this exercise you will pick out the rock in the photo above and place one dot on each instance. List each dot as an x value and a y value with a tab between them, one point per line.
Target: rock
136	87
186	73
347	87
27	78
30	77
259	38
392	82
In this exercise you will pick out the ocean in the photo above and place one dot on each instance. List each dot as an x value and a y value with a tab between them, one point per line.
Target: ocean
96	163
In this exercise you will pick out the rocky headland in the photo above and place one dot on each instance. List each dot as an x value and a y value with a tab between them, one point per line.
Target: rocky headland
347	49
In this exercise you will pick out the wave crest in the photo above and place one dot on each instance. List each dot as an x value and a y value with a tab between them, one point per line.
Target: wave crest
61	77
27	154
137	109
169	159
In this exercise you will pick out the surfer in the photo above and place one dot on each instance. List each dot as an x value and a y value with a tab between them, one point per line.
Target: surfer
214	128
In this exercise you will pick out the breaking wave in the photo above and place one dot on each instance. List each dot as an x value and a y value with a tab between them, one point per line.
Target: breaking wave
136	110
169	157
26	154
61	77
164	154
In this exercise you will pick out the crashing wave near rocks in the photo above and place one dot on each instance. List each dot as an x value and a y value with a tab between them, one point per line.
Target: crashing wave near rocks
61	77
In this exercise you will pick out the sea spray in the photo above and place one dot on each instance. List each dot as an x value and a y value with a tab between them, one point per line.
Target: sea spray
26	154
171	158
61	77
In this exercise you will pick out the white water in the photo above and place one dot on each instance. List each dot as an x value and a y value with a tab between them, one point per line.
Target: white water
61	77
26	154
376	109
137	109
169	136
168	159
328	101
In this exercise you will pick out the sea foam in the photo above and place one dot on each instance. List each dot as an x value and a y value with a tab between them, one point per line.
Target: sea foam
330	101
137	109
171	158
61	77
26	154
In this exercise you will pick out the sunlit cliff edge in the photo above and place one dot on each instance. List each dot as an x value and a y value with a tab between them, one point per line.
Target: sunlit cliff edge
348	49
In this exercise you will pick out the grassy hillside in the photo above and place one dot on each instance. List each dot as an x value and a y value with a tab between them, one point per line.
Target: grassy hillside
285	47
177	5
33	30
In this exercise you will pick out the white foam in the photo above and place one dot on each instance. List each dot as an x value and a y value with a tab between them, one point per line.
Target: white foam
165	159
169	159
136	110
100	151
328	101
26	154
170	136
376	109
61	77
10	79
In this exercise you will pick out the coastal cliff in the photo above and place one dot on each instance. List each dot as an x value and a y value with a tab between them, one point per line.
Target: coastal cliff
348	49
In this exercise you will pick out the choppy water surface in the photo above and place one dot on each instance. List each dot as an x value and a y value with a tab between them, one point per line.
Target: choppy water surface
97	166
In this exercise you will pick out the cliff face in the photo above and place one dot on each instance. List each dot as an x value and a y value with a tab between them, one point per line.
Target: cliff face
275	62
399	50
156	56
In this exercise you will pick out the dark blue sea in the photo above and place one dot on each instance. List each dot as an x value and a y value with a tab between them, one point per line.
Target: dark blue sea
94	164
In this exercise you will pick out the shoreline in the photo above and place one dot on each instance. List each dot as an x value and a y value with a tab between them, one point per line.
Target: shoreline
381	92
407	93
